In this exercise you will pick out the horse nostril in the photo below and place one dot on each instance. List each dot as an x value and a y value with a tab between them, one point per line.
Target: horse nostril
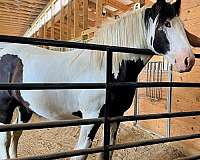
186	61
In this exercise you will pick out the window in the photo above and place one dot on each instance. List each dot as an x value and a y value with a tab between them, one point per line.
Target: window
57	6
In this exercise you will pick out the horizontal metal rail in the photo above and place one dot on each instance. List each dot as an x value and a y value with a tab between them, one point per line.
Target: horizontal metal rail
64	154
152	142
111	147
76	122
197	55
153	84
56	43
52	86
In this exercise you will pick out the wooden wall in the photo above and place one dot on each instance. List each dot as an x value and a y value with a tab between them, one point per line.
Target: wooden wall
183	99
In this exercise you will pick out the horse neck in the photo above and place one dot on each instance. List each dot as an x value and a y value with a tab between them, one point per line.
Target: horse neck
128	31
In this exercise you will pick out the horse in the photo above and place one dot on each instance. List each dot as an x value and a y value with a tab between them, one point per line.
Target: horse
157	27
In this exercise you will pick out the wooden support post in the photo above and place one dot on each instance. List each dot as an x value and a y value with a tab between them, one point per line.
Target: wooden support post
99	9
45	35
34	35
85	14
45	31
62	22
41	32
52	22
76	19
37	34
69	20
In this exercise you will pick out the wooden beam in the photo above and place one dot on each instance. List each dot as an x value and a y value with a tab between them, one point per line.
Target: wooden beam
99	9
77	32
69	21
52	22
62	22
45	31
85	14
41	32
16	17
118	5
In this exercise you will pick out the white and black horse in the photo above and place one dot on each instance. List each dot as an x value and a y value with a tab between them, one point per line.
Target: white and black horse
158	28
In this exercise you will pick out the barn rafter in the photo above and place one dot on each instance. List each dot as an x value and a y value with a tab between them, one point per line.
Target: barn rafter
68	18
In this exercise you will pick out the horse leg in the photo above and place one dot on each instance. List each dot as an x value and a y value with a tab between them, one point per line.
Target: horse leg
113	134
87	134
15	135
23	115
4	144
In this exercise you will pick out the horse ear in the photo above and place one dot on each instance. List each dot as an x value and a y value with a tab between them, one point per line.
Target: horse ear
177	6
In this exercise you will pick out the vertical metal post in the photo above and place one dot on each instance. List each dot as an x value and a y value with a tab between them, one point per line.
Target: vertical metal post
169	102
148	73
154	79
136	103
161	76
150	80
108	103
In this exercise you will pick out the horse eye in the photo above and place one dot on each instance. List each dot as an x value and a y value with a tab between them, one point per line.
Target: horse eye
167	24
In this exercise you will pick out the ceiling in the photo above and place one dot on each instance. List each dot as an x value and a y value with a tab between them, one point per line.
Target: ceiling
16	16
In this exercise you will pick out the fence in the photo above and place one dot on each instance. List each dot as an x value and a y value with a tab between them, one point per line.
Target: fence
108	85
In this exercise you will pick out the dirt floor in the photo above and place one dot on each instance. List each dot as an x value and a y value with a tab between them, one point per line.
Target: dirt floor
47	141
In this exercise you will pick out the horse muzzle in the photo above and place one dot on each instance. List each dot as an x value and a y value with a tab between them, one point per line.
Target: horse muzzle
184	62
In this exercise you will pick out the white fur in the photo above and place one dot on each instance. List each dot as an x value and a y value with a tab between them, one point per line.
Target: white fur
4	144
178	40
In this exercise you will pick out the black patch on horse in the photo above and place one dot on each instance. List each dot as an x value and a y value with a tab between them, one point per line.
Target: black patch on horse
121	98
11	71
161	43
166	11
78	114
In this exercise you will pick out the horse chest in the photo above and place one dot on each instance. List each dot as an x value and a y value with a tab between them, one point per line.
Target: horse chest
121	98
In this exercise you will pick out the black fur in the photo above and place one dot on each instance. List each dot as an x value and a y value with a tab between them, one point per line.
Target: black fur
78	114
121	98
161	43
11	71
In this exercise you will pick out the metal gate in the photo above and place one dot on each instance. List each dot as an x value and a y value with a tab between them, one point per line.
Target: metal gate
154	72
110	50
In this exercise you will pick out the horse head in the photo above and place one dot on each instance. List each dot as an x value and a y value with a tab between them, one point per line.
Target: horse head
166	35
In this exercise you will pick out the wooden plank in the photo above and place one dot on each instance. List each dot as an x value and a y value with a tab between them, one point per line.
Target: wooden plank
19	13
118	5
69	20
52	22
62	23
76	19
99	9
45	31
41	32
85	14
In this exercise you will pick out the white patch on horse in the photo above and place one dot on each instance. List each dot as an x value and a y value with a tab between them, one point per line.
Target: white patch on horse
176	35
5	142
